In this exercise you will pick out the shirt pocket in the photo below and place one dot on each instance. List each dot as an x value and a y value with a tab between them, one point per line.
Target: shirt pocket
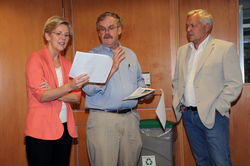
133	75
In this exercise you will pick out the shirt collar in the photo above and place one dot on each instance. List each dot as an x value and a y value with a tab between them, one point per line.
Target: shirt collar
107	48
202	45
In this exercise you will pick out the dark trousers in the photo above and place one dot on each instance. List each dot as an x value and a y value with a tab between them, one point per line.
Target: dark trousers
49	152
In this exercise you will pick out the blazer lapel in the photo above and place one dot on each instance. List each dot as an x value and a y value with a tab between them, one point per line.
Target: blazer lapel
53	82
185	62
206	52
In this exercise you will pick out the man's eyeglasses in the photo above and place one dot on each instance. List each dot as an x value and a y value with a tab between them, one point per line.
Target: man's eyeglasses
60	34
109	29
191	26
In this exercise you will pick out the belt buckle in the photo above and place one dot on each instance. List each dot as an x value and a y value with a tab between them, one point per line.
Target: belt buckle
117	111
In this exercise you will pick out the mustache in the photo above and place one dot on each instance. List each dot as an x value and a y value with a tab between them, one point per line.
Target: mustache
107	36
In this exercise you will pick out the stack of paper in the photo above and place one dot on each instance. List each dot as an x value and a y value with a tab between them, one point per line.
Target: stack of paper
97	66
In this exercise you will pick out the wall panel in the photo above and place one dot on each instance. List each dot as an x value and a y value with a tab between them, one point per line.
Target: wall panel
21	33
224	13
240	129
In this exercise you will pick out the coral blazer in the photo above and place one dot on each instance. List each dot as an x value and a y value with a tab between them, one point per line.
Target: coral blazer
42	119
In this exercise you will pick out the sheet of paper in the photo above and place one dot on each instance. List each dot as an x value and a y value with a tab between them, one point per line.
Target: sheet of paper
160	110
97	66
139	93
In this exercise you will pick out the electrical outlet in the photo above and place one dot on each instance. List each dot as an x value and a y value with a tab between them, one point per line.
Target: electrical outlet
147	78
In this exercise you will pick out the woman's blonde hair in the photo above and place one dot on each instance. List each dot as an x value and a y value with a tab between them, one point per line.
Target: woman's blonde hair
53	22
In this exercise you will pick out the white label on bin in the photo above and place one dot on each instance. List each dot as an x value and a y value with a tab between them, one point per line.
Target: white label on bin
148	161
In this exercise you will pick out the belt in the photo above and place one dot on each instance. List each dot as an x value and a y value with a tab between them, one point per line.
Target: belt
192	108
195	109
120	111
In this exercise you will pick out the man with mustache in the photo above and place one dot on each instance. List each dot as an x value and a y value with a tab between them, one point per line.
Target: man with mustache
113	133
207	79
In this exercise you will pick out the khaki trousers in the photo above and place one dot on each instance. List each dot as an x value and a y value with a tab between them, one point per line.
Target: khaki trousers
113	138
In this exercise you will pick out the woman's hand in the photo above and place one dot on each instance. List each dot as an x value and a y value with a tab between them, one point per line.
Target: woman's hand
78	81
63	92
44	85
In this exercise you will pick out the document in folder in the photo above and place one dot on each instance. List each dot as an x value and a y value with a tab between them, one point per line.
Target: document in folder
97	66
139	92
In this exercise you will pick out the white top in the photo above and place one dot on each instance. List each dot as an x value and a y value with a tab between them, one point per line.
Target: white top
188	98
63	113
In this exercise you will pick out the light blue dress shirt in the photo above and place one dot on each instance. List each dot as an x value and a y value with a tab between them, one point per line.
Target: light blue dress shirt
122	84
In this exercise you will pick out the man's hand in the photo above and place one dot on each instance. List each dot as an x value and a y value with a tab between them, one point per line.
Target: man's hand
117	58
183	108
150	95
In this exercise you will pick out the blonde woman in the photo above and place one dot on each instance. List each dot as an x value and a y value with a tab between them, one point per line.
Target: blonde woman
49	124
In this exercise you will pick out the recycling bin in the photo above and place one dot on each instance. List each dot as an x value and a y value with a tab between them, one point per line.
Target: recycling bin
157	142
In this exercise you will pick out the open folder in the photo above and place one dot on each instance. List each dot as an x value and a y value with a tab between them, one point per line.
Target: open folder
160	110
140	92
97	66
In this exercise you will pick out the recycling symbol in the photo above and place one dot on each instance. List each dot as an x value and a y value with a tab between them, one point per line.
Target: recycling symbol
149	161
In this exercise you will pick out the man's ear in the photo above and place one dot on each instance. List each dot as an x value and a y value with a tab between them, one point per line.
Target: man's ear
119	30
207	27
47	36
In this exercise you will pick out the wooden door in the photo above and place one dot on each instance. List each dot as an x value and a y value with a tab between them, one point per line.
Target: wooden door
21	33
